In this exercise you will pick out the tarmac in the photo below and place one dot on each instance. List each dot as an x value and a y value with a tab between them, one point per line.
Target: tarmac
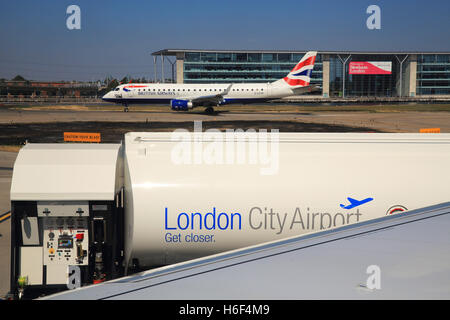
6	164
382	121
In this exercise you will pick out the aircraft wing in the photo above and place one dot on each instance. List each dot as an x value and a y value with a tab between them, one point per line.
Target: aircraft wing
210	99
352	201
408	254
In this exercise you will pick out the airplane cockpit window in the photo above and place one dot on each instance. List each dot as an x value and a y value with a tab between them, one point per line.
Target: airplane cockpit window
117	89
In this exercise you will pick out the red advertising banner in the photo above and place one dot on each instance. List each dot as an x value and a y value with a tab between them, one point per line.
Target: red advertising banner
370	67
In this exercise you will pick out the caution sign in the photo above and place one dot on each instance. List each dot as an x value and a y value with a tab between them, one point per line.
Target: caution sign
430	130
82	137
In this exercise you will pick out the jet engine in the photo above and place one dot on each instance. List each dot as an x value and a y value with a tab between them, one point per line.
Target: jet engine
181	105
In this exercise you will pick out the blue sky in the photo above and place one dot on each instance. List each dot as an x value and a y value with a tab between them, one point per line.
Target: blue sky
117	37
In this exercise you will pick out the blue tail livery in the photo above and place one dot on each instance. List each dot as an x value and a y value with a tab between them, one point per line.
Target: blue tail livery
355	203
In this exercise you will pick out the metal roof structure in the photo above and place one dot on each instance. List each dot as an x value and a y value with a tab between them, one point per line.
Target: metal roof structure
40	172
172	52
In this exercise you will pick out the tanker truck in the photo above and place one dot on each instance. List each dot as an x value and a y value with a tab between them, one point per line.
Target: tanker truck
86	213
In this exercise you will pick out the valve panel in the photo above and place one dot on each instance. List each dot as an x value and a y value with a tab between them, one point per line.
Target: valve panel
65	240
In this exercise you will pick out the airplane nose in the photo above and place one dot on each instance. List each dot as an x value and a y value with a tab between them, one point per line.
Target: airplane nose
107	96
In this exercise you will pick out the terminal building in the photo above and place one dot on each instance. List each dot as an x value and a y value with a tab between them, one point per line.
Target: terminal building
337	74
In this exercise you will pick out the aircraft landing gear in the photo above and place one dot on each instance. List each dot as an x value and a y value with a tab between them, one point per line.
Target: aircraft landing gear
209	110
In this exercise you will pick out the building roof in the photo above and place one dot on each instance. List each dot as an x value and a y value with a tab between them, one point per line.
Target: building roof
172	52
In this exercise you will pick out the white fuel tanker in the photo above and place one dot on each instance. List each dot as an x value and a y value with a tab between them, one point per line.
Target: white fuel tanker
168	197
180	210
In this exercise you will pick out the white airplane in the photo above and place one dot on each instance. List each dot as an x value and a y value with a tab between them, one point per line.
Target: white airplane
182	97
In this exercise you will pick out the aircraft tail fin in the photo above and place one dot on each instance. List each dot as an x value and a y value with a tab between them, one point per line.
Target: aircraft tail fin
300	76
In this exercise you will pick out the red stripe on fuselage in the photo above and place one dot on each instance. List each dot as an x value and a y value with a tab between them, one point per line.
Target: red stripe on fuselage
134	86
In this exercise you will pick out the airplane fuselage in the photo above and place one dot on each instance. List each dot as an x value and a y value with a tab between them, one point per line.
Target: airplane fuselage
151	93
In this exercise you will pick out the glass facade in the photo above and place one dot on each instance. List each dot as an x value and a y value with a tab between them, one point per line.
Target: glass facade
363	85
433	74
216	67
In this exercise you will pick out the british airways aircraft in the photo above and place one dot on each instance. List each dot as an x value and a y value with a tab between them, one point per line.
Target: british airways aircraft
182	97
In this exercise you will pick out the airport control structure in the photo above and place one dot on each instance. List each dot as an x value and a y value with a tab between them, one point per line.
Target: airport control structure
365	74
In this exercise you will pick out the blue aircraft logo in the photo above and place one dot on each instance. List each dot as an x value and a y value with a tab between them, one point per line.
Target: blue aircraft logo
355	203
